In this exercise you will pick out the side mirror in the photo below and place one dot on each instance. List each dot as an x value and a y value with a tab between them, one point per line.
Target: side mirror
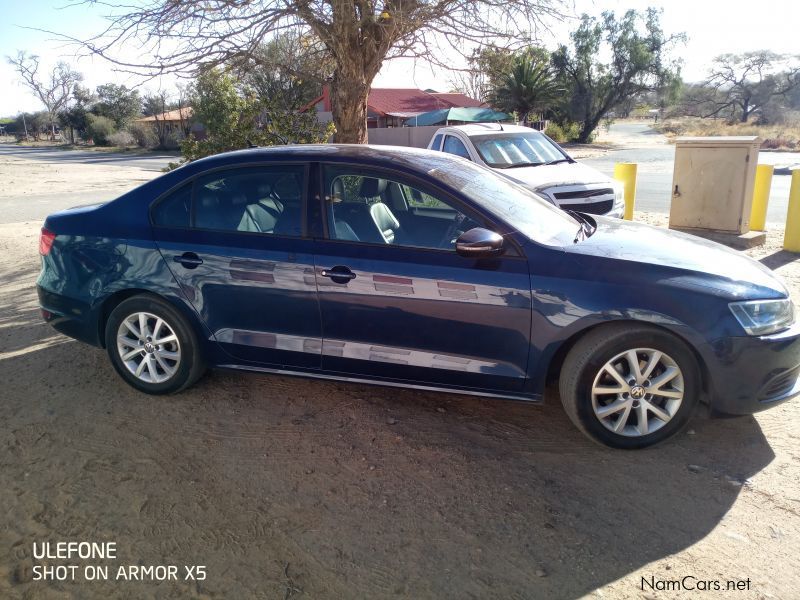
479	243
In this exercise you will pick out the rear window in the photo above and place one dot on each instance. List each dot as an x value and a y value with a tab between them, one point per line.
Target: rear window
174	209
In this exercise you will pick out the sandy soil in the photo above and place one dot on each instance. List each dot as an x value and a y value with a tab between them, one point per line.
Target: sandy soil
22	177
292	488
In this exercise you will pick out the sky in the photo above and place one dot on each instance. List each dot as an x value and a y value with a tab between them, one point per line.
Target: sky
713	27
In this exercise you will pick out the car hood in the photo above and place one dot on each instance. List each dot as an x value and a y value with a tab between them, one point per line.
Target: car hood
707	264
552	175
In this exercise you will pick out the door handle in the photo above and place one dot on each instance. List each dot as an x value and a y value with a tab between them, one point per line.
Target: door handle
190	260
339	274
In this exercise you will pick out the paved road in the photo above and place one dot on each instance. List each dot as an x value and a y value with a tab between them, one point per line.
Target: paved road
148	161
656	160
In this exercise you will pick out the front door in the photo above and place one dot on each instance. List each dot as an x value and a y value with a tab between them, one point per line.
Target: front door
234	240
396	300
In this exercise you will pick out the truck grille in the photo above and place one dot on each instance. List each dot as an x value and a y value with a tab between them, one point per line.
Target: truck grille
593	208
576	194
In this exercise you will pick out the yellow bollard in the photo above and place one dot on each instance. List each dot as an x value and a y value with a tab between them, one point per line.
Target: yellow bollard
791	239
758	214
626	173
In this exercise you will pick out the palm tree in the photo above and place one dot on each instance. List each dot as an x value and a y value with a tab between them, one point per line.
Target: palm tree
530	87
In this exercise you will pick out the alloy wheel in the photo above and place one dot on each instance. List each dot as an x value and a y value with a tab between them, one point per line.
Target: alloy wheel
637	392
148	347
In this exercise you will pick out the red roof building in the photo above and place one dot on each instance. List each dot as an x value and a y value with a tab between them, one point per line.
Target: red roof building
391	107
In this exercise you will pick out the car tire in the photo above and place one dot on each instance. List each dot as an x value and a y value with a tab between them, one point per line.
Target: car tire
163	359
656	400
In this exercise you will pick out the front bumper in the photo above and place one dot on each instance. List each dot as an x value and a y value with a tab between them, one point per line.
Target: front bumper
751	374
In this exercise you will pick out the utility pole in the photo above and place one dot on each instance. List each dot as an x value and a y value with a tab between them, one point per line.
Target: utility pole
25	125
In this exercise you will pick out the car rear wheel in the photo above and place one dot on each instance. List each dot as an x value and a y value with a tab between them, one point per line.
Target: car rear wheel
629	386
152	346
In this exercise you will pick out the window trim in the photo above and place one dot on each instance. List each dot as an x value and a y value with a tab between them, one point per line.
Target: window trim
192	179
514	248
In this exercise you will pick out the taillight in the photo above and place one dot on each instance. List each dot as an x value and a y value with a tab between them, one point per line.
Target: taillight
46	240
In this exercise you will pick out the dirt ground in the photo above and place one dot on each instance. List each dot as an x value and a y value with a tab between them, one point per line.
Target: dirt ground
290	488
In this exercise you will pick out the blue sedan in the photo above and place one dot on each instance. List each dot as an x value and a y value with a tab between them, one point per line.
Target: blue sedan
412	268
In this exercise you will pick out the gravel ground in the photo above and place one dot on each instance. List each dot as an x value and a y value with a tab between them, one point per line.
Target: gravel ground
290	488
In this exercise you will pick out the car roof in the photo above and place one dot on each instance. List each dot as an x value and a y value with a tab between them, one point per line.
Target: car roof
418	160
487	129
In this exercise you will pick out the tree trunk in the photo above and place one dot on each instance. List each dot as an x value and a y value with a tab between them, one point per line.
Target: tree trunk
745	113
587	129
349	91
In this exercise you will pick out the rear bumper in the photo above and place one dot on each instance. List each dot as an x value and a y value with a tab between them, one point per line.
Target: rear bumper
71	317
751	374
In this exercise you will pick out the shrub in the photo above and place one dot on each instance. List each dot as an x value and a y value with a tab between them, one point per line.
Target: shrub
99	129
122	138
144	134
566	132
555	131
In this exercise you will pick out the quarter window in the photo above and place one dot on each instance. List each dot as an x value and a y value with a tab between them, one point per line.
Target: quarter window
174	209
257	200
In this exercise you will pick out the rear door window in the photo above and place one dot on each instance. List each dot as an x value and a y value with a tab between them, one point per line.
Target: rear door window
437	142
267	200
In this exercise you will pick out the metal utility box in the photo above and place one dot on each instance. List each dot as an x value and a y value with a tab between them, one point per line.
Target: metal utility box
712	184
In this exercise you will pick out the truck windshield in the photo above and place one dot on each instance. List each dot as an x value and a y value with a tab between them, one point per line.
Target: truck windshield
513	204
516	149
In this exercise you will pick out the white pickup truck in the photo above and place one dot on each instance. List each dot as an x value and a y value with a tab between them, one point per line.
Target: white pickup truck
532	159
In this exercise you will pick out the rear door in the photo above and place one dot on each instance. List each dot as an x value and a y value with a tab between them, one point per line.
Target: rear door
235	241
396	300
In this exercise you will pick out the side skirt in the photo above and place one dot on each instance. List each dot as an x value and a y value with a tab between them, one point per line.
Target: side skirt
382	382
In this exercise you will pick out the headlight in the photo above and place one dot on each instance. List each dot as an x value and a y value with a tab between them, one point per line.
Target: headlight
761	317
619	195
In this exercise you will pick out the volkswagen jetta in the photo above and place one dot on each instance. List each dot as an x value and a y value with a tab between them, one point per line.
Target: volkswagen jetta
417	269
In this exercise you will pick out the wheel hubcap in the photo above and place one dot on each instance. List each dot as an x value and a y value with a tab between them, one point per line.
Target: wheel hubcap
148	347
637	392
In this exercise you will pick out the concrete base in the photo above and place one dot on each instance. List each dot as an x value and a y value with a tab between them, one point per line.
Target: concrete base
739	241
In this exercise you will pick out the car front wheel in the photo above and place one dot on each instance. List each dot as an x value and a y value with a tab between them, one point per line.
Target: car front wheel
152	346
629	386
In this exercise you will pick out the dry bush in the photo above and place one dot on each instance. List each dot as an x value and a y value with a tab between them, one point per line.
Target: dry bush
775	137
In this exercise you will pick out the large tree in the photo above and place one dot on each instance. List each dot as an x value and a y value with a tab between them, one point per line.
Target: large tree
118	103
358	35
739	85
610	59
53	88
290	70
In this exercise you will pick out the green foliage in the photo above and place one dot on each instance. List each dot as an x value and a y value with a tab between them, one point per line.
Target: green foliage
529	86
233	121
564	132
144	135
99	128
118	103
637	49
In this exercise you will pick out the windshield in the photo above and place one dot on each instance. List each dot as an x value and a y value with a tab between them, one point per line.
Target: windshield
520	149
515	205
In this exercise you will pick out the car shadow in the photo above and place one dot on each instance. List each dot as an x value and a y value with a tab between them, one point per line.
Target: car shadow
346	489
